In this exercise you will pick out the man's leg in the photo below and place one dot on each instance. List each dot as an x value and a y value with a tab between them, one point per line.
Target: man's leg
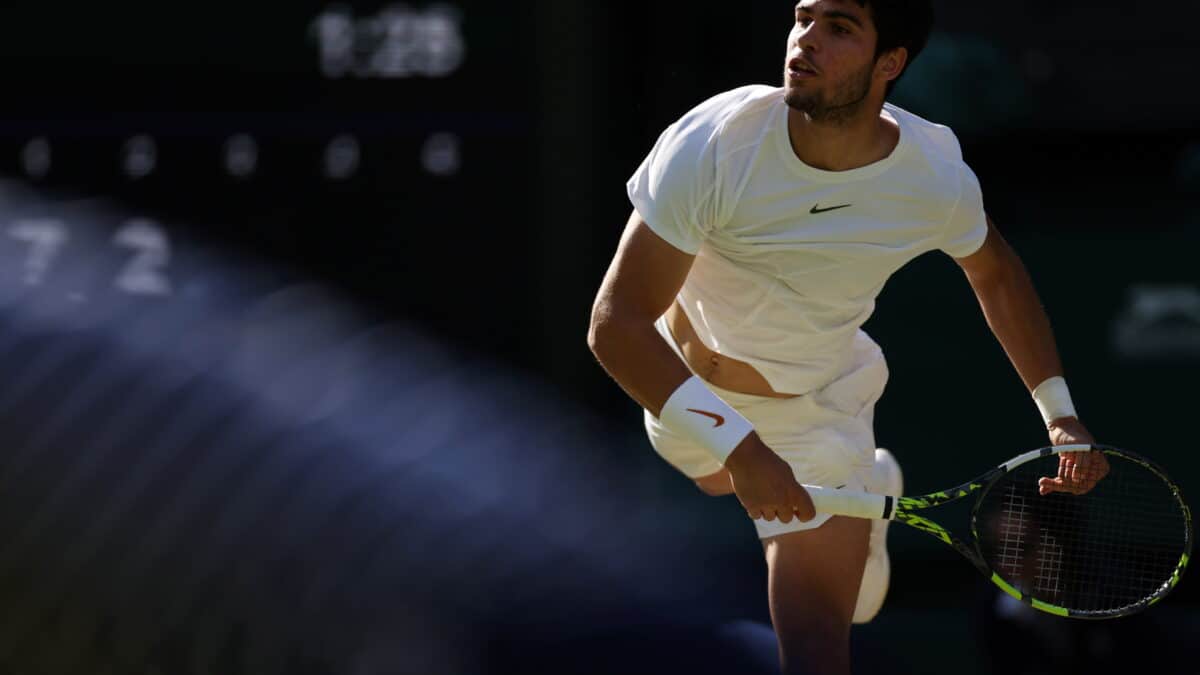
813	582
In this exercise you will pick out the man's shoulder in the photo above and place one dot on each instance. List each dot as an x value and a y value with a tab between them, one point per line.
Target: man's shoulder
740	101
936	141
732	110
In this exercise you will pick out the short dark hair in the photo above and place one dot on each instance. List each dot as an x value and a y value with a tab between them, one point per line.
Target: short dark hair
900	23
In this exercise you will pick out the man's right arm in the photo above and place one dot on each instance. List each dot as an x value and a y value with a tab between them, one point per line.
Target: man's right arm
645	275
642	282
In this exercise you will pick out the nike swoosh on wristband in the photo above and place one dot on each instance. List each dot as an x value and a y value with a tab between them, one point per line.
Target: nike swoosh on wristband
817	209
720	420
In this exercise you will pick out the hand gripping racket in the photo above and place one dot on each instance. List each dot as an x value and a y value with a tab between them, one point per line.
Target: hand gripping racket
1111	552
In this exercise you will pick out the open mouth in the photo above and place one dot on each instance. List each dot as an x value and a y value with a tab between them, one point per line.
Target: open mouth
801	68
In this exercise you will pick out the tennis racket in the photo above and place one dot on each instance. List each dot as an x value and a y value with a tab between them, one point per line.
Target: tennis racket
1113	551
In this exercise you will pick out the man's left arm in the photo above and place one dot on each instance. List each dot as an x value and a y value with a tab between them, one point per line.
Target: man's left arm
1015	314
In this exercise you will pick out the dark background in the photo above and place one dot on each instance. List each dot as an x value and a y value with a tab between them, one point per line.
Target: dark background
460	167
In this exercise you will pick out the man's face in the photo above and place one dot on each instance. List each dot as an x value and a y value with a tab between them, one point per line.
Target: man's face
830	59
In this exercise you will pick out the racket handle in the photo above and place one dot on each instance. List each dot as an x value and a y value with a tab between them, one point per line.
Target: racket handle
851	503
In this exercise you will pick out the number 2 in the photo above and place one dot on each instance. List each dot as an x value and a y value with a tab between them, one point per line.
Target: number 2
145	273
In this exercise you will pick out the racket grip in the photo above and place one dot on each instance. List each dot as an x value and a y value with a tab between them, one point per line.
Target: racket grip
851	503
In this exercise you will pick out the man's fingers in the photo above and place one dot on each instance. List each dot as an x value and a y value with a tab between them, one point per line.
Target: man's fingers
802	503
1065	463
785	513
784	500
1049	485
1088	472
1046	486
1078	474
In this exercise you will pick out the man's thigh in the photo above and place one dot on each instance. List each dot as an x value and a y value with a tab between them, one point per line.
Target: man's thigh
813	582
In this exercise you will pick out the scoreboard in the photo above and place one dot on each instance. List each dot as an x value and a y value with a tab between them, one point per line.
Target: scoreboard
383	147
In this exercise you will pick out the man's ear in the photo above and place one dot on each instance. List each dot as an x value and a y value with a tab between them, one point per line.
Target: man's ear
891	63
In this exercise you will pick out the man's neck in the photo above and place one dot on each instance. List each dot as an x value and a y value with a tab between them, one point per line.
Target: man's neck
845	145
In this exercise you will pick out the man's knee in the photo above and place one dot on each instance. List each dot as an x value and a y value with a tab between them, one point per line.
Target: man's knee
717	485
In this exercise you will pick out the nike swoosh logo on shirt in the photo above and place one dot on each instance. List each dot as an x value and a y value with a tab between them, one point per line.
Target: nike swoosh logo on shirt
817	209
720	420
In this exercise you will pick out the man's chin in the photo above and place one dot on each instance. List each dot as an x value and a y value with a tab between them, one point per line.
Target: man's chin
798	100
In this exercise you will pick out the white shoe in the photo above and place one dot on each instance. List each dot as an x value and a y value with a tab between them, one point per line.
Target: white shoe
886	479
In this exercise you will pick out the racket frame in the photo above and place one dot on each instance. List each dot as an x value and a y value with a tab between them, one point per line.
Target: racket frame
903	509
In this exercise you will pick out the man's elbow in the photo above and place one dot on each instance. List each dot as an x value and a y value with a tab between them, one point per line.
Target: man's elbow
599	332
604	341
608	333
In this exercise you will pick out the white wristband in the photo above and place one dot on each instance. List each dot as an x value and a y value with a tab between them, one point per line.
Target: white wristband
1054	400
694	411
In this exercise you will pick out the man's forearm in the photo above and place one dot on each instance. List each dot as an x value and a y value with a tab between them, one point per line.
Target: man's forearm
634	353
1015	314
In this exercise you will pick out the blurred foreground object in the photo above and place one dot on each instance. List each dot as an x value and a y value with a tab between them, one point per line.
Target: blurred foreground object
230	471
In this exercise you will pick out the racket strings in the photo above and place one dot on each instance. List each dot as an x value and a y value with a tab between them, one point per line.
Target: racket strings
1116	546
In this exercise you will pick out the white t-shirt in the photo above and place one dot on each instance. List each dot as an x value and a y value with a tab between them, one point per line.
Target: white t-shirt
790	258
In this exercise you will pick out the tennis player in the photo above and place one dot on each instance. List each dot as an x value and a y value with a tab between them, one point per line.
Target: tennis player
766	221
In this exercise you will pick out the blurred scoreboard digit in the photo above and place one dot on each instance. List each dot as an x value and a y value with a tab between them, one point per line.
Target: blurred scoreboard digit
386	147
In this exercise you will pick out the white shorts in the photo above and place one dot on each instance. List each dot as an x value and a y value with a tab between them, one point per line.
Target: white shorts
827	436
